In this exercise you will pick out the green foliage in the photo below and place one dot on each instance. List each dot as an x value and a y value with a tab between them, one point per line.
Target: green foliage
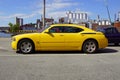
14	27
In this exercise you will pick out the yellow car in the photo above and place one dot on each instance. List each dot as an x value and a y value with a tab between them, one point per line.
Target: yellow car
60	37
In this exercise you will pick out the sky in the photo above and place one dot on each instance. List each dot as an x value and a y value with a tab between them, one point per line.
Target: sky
30	10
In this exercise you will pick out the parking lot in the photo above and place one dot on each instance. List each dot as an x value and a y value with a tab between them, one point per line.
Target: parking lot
103	65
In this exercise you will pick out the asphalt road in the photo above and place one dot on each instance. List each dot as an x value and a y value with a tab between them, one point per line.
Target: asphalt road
103	65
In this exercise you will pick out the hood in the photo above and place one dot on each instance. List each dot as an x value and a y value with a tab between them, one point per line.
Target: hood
27	35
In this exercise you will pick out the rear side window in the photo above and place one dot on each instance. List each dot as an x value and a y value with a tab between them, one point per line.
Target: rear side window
65	29
72	30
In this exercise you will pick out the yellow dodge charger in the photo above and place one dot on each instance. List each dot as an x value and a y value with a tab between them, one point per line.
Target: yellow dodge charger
60	37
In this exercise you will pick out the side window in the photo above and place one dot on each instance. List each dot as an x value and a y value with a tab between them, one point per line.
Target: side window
56	29
109	30
72	30
115	30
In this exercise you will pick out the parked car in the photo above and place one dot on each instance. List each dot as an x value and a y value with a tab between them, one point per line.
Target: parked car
60	37
111	33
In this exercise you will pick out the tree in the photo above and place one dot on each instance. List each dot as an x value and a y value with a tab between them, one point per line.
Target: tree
14	27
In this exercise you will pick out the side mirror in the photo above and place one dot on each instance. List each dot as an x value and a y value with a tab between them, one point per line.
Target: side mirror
47	31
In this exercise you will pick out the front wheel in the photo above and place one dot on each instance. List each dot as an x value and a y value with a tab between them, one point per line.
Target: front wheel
26	46
90	46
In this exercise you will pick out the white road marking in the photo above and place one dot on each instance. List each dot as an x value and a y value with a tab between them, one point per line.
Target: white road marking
39	55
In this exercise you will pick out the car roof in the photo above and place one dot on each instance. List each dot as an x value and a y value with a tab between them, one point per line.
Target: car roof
74	25
64	24
104	27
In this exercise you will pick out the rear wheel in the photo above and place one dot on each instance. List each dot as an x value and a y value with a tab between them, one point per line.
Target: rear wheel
25	46
90	46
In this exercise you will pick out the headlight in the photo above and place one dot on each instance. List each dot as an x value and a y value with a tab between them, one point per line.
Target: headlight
13	39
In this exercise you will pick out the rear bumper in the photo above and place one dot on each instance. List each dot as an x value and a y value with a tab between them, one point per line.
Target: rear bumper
103	43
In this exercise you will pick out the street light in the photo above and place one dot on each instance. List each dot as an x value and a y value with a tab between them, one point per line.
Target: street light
43	13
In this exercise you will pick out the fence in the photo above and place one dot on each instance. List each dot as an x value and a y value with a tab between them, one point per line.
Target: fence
27	31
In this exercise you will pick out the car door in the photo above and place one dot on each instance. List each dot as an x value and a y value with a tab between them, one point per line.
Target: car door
52	40
73	38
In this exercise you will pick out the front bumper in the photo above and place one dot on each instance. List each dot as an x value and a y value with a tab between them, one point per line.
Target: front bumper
14	45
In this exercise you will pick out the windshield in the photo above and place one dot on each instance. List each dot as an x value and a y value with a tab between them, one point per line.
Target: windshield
41	30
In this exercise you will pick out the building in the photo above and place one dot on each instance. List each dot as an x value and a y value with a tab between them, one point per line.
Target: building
117	25
76	17
99	23
62	20
48	21
104	22
36	26
79	18
19	21
30	26
39	24
117	22
119	16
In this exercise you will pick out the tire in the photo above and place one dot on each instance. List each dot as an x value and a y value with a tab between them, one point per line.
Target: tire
90	46
26	46
116	44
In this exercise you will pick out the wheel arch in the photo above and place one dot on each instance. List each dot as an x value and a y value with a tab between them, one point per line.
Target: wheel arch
91	39
26	39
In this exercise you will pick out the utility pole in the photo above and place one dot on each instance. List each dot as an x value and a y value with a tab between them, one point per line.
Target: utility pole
44	13
107	10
